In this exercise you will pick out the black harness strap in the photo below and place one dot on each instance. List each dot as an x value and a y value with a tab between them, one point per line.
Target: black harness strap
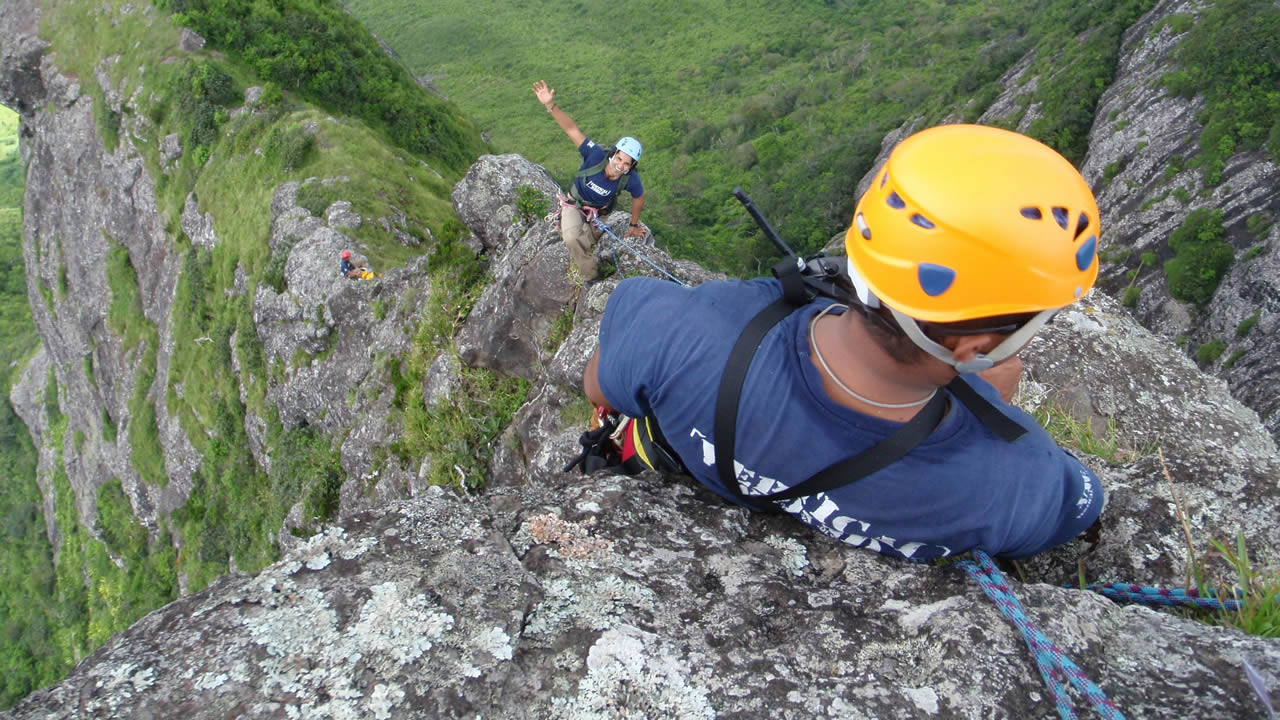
877	457
997	422
735	373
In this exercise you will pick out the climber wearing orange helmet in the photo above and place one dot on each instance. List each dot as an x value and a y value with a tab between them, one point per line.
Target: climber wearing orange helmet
604	173
968	241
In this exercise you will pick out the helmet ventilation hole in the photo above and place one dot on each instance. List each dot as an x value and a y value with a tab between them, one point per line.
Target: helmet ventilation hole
896	202
1032	213
922	221
1060	215
884	179
1082	224
863	230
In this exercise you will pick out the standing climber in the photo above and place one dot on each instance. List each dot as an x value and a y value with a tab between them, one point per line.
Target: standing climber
969	240
603	174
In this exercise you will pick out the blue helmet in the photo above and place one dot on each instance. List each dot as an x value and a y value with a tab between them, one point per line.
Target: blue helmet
630	146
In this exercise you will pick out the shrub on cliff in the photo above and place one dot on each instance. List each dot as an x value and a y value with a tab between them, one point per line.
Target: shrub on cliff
1201	257
314	48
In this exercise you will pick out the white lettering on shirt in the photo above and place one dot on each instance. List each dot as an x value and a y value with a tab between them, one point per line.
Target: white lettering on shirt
603	192
1086	496
820	511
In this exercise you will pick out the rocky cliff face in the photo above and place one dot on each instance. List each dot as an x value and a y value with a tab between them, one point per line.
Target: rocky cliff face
1142	134
555	596
1141	131
82	201
558	596
79	198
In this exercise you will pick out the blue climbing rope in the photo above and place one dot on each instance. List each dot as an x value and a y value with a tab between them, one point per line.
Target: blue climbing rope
1148	595
600	224
1053	664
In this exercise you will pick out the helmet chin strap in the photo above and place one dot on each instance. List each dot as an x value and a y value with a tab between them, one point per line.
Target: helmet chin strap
862	289
981	361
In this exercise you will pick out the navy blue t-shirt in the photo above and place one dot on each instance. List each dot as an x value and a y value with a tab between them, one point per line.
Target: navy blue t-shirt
663	350
597	189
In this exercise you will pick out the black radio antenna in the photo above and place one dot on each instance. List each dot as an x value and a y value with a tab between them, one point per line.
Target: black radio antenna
768	230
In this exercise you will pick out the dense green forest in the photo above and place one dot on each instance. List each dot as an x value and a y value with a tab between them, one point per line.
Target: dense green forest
788	100
314	48
27	604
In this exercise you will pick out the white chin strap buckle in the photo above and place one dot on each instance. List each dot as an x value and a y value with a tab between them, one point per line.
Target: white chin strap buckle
980	362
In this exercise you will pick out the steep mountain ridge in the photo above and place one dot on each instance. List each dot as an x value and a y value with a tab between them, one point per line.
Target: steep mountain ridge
315	369
1143	131
552	595
156	246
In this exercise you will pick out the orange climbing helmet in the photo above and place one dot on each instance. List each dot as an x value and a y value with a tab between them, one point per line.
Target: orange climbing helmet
346	254
968	221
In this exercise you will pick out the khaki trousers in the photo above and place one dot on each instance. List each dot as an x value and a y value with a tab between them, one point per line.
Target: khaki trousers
580	238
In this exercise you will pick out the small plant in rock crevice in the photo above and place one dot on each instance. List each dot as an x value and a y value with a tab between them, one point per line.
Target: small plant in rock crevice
531	204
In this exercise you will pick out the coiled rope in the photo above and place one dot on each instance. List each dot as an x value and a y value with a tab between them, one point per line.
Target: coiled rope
1053	664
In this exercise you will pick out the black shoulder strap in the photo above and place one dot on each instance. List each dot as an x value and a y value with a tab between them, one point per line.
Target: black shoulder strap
997	422
588	172
735	373
850	470
877	457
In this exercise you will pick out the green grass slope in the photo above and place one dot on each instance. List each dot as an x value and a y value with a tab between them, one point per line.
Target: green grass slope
788	100
334	106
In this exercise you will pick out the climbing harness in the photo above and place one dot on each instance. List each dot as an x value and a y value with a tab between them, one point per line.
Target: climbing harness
589	213
1053	664
624	445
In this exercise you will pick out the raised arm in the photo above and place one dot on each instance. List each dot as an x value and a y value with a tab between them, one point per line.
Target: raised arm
547	96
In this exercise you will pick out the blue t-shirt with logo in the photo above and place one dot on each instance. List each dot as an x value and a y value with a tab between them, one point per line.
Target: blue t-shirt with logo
663	349
597	189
